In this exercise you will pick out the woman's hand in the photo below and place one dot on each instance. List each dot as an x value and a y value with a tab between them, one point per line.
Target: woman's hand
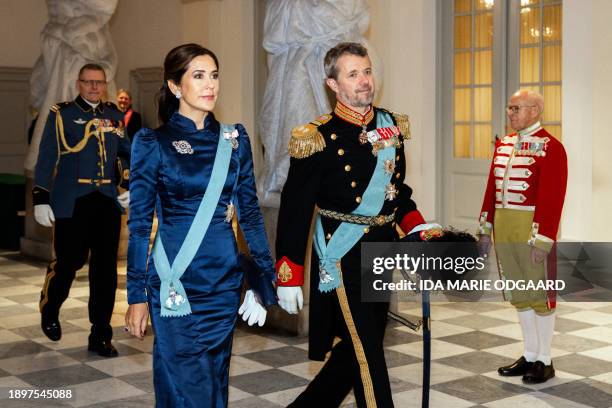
137	319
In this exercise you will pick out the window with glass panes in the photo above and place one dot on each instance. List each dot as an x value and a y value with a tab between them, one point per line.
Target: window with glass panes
540	56
473	78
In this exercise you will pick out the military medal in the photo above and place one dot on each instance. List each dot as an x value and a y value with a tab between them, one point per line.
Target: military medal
363	136
390	192
229	212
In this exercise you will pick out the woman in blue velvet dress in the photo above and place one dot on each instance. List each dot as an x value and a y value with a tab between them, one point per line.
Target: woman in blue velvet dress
175	169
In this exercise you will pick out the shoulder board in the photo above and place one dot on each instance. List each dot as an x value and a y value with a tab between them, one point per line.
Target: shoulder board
111	105
306	140
59	106
403	122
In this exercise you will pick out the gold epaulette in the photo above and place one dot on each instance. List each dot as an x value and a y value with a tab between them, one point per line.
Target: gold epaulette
306	140
403	122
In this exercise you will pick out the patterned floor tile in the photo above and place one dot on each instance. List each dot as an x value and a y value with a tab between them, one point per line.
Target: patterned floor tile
483	322
439	349
440	373
63	377
599	333
36	362
21	348
142	381
479	389
477	361
582	365
512	331
240	366
534	400
307	370
478	340
266	382
252	343
95	392
412	399
279	356
119	366
594	317
395	358
588	392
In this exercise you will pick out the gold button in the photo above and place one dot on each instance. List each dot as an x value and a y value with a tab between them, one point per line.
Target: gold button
99	174
393	224
328	236
347	167
358	199
366	230
397	175
340	152
333	136
353	184
397	157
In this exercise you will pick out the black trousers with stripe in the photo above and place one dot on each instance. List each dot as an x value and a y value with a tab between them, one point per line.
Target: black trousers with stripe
93	230
343	370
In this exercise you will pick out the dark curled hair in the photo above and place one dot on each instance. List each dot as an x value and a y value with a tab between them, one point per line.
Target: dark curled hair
175	66
339	50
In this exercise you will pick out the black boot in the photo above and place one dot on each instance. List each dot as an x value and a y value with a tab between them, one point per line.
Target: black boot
539	373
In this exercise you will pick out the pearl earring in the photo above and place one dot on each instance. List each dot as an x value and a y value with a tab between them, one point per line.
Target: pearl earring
178	95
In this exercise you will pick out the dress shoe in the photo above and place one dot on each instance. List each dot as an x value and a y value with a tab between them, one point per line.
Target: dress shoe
52	329
539	373
103	347
519	367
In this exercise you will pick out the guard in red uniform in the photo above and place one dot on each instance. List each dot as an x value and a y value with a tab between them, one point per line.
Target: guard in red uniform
522	207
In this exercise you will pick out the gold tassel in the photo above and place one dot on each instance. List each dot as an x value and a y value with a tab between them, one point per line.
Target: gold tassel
403	122
305	141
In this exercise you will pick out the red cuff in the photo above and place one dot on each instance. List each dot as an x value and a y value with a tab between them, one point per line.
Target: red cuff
289	273
411	220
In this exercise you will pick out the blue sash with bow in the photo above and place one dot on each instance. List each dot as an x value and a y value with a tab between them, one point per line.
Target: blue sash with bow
173	299
347	234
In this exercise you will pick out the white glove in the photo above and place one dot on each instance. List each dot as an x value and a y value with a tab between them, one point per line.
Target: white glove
43	214
290	298
252	310
124	199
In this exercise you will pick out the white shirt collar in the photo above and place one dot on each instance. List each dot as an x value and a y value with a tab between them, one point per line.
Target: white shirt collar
528	131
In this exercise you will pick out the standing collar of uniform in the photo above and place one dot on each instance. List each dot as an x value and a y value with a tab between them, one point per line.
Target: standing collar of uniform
82	103
528	131
183	122
352	116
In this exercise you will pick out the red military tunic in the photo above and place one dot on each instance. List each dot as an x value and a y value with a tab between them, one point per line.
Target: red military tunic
528	173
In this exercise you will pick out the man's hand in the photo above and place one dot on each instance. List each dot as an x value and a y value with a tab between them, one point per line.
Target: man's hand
43	214
484	245
137	319
290	298
251	310
124	199
538	255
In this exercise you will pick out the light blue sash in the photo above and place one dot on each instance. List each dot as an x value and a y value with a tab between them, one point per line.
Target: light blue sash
347	234
173	298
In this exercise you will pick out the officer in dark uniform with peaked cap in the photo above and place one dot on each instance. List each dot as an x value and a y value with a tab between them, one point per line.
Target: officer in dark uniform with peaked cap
349	165
83	156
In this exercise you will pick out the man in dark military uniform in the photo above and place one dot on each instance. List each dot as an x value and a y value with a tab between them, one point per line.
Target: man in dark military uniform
84	154
350	166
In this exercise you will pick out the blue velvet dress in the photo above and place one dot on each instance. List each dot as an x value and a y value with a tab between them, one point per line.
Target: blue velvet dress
170	170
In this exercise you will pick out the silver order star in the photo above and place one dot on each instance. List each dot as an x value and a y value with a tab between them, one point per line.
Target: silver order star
182	146
389	166
390	192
